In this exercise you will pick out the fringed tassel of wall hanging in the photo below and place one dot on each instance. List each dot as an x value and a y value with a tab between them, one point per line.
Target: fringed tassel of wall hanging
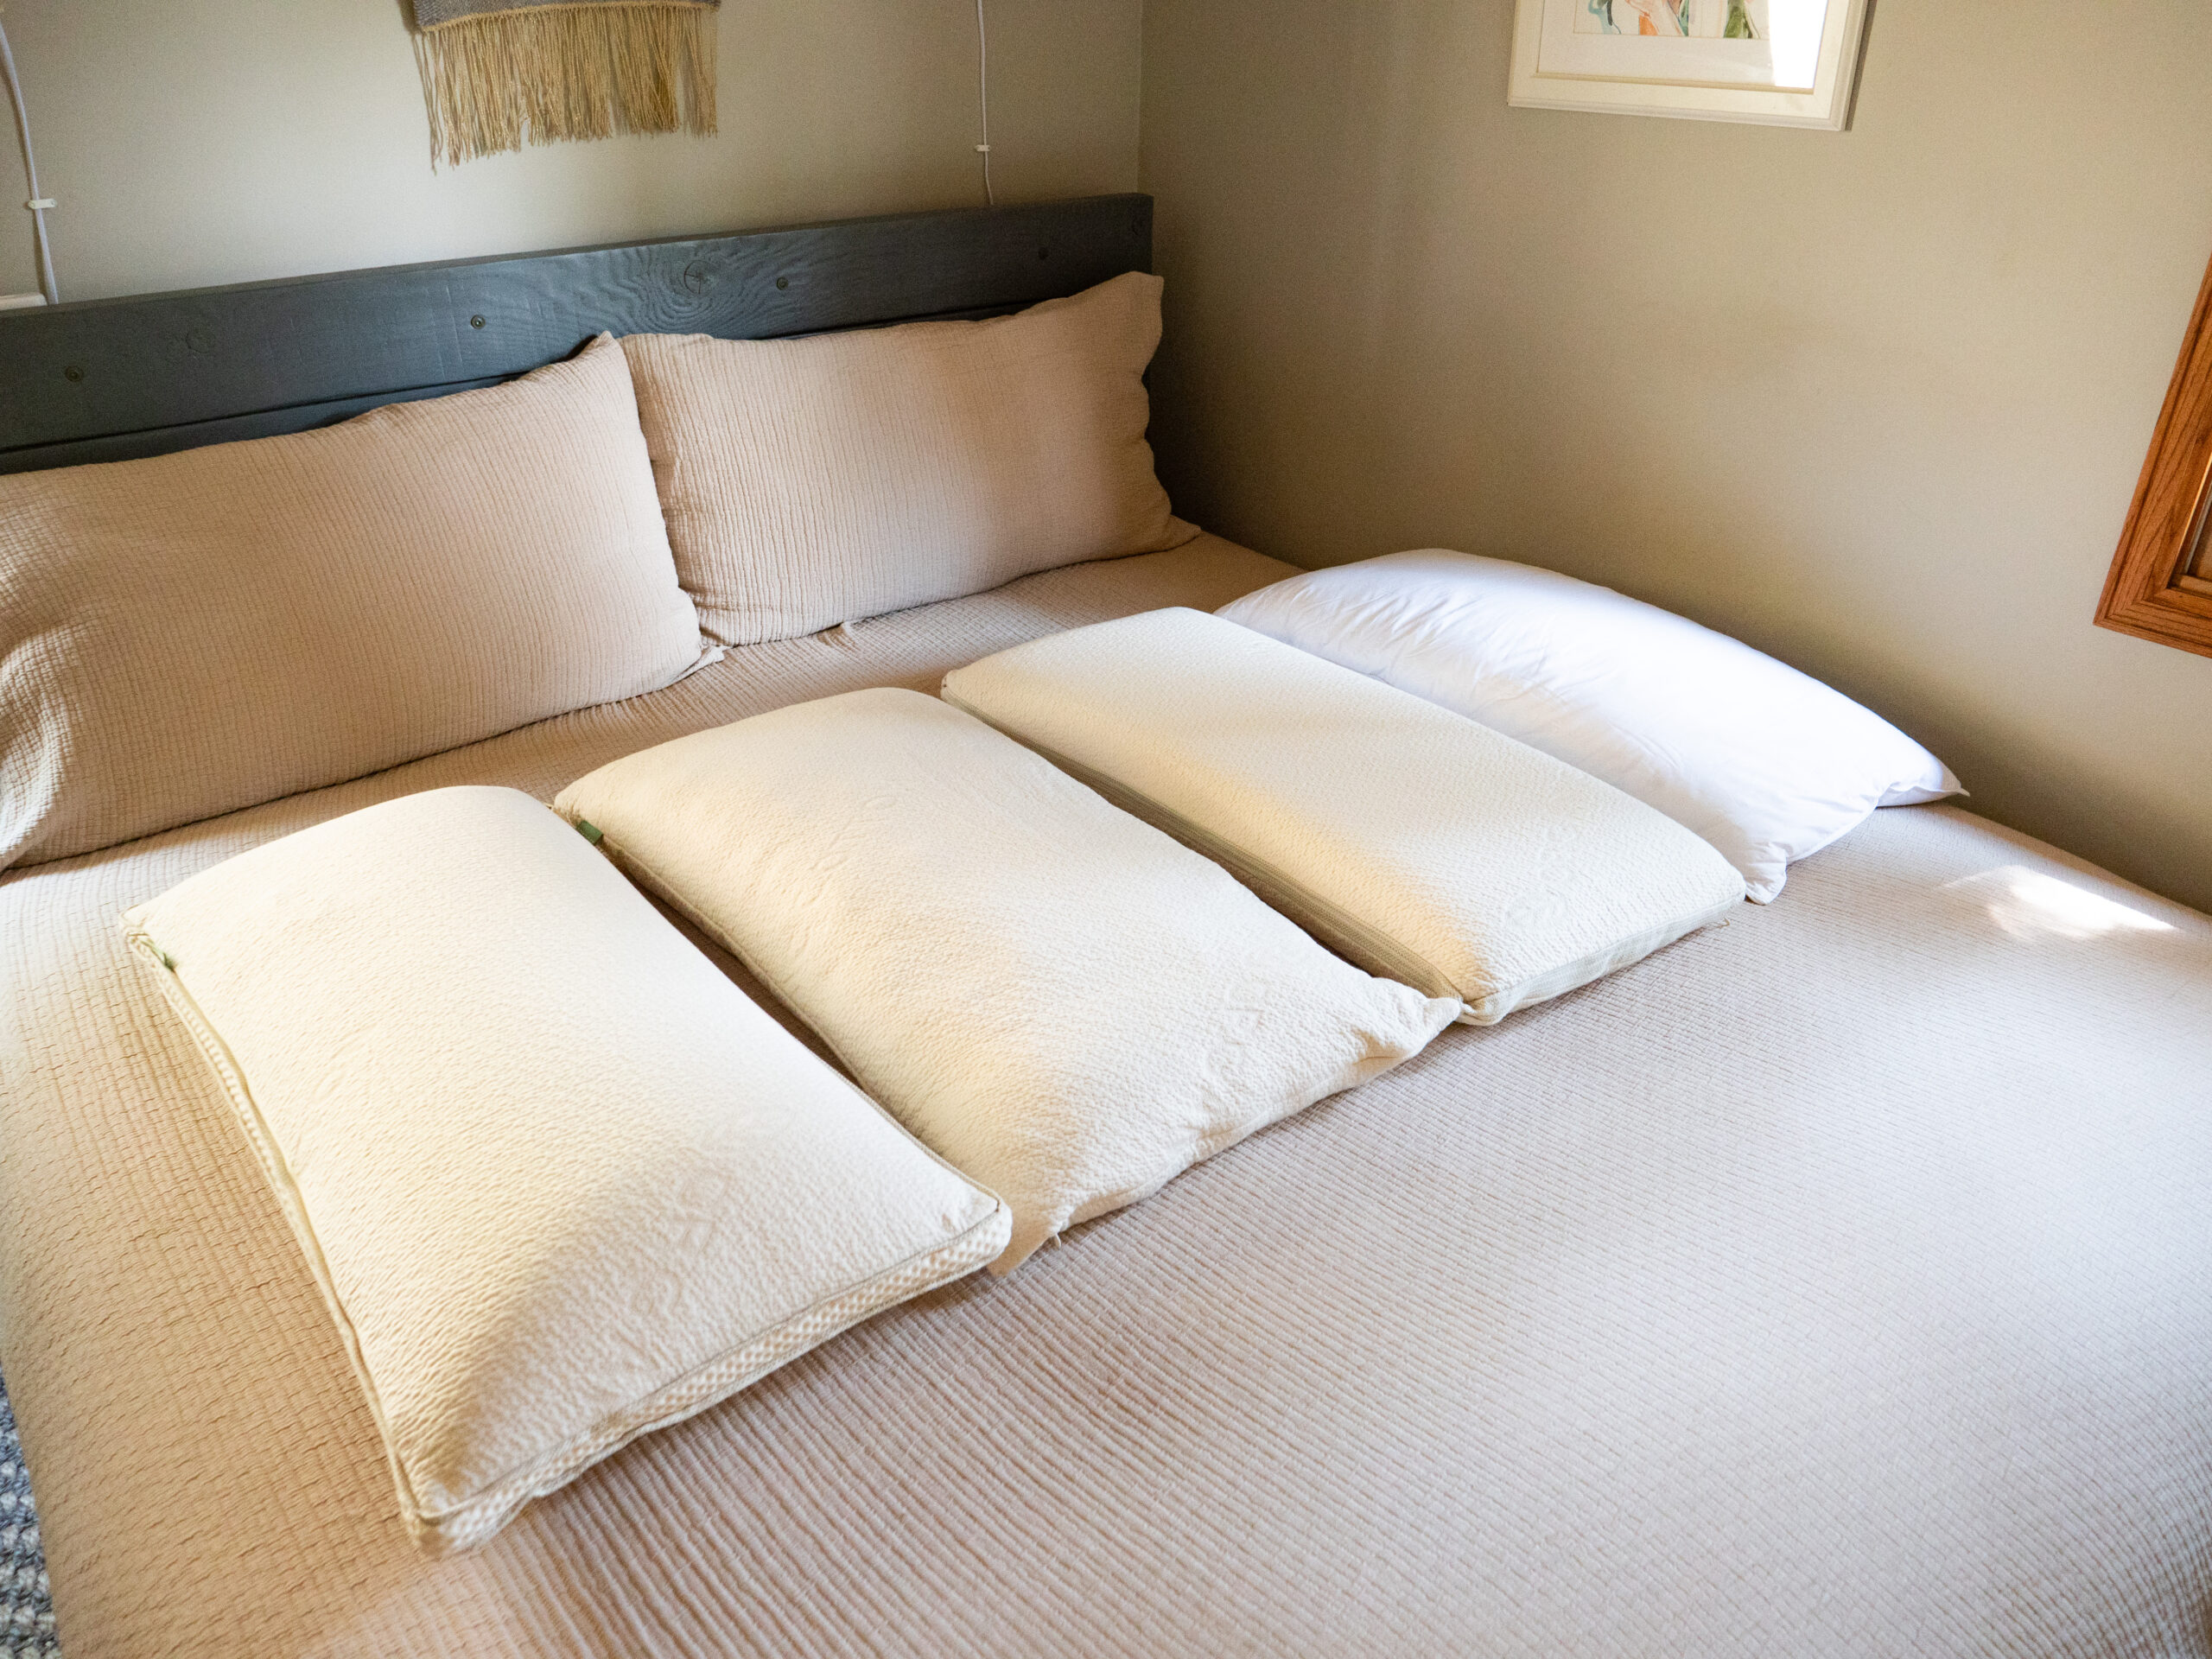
497	73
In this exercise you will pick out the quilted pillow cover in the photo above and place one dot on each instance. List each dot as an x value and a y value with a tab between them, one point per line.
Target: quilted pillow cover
1419	843
1069	1006
560	1181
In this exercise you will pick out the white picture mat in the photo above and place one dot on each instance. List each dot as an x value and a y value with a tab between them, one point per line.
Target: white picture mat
1556	66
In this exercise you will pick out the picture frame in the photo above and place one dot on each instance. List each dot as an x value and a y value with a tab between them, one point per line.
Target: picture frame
2160	584
1790	63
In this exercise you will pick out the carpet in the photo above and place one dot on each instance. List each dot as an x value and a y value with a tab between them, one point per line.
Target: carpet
26	1603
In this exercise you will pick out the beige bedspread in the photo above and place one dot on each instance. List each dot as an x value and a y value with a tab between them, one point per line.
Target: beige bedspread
1837	1281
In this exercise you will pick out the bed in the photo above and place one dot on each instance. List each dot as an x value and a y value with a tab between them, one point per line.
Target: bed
1837	1281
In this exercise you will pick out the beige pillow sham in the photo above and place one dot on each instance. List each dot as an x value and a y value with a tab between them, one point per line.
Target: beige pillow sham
560	1181
183	636
1068	1005
1419	843
809	482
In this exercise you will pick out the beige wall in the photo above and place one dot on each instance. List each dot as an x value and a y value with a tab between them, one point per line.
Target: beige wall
225	140
1874	401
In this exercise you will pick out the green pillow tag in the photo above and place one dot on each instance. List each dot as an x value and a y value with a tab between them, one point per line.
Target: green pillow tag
589	831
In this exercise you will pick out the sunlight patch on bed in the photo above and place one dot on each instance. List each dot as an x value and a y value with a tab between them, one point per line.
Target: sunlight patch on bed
2029	905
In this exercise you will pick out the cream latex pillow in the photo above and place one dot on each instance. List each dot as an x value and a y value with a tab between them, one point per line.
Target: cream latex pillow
1064	1003
1416	841
809	482
560	1181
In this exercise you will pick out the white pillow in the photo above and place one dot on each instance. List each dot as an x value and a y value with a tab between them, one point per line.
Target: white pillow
1767	764
560	1181
1064	1003
1419	843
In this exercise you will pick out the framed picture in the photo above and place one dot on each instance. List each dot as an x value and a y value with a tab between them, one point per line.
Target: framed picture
1790	63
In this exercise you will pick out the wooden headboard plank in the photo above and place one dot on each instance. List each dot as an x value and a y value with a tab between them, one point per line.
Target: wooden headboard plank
262	424
105	379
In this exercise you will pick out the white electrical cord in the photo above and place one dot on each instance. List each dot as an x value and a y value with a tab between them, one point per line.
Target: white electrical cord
37	204
983	97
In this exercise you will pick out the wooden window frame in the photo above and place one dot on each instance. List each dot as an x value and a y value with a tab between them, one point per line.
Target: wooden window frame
2161	582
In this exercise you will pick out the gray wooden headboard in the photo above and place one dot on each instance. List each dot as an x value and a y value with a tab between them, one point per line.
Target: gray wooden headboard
112	380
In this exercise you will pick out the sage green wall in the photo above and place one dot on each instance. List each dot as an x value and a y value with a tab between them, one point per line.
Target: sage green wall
1874	401
227	140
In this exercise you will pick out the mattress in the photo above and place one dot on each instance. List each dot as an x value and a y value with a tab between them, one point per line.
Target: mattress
1838	1280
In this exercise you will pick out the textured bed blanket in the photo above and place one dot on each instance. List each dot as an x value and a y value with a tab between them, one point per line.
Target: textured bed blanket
1836	1282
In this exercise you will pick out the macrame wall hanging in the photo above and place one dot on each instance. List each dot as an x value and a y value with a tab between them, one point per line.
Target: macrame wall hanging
498	73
